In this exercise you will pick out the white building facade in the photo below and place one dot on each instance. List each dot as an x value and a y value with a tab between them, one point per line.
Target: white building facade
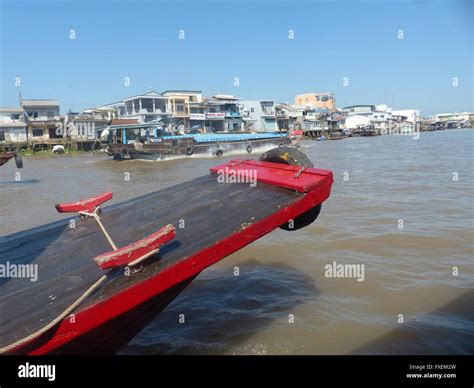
259	115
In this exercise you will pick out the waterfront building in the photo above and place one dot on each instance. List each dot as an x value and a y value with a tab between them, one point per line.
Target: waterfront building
82	128
377	117
178	104
316	100
258	115
223	114
44	123
287	116
356	121
454	120
411	115
197	116
13	128
144	108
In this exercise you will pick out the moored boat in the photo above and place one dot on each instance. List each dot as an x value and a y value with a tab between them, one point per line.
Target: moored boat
146	141
6	156
104	274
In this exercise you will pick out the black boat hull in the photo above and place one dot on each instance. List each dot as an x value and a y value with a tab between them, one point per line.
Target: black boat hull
182	148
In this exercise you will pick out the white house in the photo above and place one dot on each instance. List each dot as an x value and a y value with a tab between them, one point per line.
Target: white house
376	116
259	115
43	119
12	126
412	115
145	107
357	121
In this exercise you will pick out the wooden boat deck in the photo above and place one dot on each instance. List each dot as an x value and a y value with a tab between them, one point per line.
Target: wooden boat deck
211	212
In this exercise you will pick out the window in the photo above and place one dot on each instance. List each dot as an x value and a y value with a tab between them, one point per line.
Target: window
180	108
33	115
2	136
50	115
37	132
252	110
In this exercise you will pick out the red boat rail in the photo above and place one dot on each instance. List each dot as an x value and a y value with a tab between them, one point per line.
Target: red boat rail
84	205
132	254
296	178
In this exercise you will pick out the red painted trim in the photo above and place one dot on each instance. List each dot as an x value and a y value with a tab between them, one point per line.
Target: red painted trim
138	249
99	313
276	174
6	157
84	205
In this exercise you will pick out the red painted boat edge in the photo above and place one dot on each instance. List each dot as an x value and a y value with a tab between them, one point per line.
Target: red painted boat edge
97	314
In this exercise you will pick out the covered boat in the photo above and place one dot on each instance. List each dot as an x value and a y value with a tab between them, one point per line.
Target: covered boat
147	141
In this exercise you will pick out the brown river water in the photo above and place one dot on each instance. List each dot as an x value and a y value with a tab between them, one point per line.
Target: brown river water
281	302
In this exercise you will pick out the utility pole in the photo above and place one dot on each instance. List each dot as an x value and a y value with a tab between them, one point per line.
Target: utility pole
18	88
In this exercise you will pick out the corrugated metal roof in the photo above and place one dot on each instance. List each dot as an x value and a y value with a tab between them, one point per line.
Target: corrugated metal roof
181	91
223	137
39	103
7	109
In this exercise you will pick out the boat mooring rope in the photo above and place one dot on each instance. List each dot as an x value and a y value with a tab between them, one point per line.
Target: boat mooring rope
58	319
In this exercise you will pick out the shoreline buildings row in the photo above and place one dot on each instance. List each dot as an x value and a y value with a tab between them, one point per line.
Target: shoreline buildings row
37	123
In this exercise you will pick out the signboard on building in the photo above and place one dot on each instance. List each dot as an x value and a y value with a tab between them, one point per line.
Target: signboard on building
197	116
215	115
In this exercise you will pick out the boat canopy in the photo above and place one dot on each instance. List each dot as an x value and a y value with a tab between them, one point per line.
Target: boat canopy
212	137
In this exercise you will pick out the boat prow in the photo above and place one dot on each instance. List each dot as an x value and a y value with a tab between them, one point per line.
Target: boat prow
105	273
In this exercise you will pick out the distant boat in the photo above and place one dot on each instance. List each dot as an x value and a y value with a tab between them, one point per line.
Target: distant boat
337	136
5	157
149	142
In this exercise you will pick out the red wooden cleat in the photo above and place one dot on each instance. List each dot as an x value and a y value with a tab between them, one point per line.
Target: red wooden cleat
134	253
84	205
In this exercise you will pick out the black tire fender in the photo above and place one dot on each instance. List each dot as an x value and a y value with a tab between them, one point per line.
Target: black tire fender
18	160
291	156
